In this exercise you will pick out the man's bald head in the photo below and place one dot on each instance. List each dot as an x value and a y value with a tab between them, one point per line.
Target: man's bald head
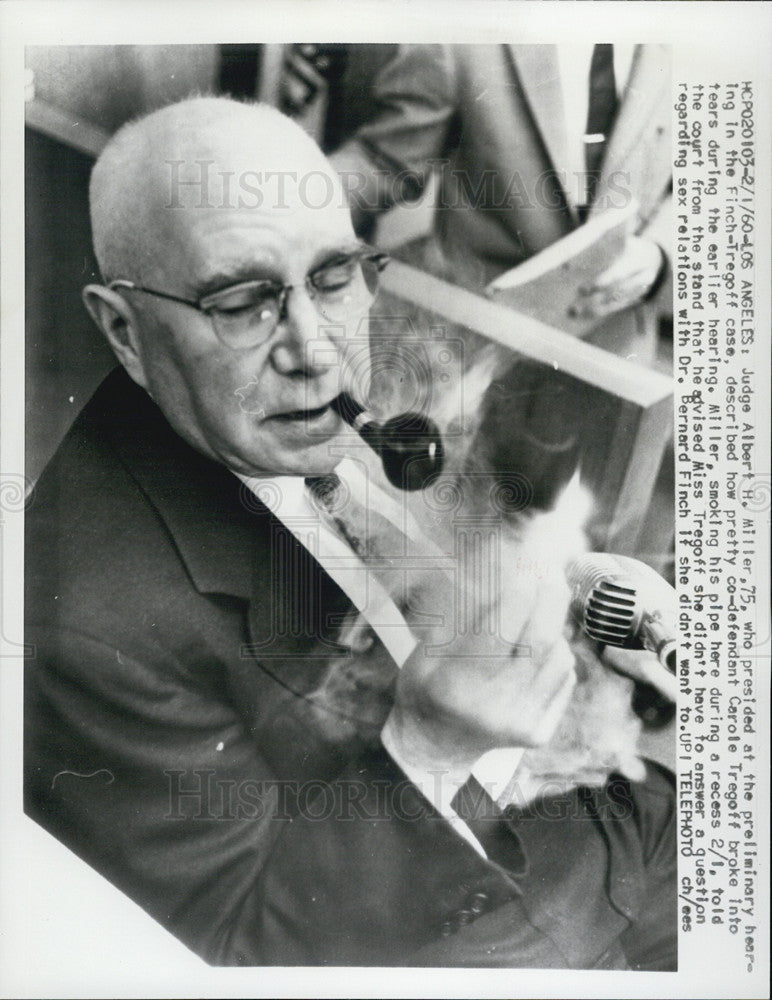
204	151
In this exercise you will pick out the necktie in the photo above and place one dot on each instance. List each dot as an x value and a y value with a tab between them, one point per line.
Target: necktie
355	693
399	558
378	543
490	826
372	537
600	114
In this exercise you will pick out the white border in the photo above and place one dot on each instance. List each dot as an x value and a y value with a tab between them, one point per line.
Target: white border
65	931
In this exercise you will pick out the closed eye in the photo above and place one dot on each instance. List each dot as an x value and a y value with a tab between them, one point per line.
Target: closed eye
241	298
337	276
237	310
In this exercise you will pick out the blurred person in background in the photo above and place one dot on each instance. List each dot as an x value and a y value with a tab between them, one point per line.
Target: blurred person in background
528	142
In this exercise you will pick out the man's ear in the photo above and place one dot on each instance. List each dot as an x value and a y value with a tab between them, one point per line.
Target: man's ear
117	321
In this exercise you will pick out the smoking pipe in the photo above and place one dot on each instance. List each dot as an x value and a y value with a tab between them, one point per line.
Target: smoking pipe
409	445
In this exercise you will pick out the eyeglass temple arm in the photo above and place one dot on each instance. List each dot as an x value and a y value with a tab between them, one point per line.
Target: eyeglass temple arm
125	283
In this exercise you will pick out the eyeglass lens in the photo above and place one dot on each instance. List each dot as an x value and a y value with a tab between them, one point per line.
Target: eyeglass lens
248	316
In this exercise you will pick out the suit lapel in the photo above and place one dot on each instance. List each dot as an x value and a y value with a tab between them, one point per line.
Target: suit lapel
228	541
644	109
197	499
295	609
305	698
537	69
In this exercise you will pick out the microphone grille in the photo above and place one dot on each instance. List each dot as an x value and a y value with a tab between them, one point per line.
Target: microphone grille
604	598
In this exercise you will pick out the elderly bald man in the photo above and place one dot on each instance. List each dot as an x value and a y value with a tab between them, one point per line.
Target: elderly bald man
213	721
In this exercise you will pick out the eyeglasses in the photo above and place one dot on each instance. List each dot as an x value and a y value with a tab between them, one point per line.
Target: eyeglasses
245	315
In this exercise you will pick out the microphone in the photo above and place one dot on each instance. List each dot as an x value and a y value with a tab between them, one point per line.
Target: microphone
409	445
623	602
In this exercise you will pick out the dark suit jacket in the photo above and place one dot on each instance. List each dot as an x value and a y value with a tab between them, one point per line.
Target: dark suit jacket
175	743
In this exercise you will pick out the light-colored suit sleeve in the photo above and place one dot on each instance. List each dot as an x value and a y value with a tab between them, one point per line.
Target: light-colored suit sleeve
390	158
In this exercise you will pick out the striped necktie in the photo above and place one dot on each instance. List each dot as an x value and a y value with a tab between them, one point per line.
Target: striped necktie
357	525
384	537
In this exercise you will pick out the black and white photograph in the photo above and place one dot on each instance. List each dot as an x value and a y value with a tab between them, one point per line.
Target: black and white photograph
368	612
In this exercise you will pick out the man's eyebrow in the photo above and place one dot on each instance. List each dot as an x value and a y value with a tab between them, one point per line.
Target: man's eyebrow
249	271
253	271
332	253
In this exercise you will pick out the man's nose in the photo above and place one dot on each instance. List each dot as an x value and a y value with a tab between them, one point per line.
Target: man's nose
305	342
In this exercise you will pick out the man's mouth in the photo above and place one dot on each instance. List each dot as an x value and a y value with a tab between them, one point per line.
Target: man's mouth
318	423
305	416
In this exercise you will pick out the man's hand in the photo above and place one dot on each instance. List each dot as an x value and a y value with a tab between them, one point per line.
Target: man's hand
496	671
643	666
624	283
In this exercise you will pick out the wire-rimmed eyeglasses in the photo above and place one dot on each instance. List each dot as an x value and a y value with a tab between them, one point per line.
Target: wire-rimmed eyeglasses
245	315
